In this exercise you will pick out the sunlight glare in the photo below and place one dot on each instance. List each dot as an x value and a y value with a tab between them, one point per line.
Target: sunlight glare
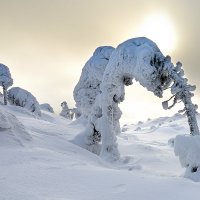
160	29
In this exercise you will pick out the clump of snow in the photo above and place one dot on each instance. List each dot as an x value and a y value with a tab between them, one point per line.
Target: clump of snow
187	148
20	97
46	107
88	87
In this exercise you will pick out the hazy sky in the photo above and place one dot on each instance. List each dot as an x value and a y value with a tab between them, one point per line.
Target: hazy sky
46	43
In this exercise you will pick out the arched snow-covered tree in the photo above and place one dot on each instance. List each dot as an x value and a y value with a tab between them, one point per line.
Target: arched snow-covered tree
20	97
138	59
88	87
5	80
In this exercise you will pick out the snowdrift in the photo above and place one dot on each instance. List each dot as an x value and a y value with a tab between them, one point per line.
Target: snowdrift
12	131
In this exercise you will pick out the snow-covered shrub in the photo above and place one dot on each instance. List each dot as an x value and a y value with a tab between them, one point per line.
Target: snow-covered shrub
88	87
5	80
66	112
20	97
187	148
46	107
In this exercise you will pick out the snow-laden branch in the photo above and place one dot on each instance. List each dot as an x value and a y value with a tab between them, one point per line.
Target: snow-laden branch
182	91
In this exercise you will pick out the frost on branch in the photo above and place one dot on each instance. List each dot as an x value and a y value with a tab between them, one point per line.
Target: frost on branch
5	80
88	87
20	97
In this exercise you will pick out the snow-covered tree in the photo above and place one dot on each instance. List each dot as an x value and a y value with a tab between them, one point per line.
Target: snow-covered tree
76	113
87	91
20	97
5	80
185	146
138	59
46	107
65	110
88	87
182	92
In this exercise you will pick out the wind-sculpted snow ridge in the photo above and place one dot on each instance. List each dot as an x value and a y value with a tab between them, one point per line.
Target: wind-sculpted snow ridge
12	132
88	87
20	97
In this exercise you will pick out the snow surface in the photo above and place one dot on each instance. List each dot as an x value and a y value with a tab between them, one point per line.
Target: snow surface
44	165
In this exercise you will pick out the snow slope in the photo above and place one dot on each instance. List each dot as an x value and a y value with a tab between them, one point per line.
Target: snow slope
47	166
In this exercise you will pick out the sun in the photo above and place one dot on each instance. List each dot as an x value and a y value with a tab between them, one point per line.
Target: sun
161	30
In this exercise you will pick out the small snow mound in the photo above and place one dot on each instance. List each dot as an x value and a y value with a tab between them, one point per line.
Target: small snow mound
46	107
187	147
12	132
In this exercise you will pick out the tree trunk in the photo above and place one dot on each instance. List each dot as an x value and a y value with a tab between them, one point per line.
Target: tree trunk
5	95
191	115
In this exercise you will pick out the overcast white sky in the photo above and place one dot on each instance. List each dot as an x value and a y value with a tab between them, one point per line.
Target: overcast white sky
46	43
